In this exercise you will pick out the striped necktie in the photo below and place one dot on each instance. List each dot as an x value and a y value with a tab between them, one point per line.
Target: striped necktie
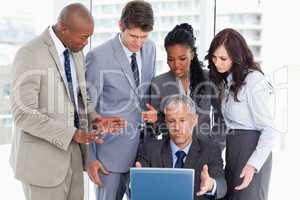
70	86
135	70
180	157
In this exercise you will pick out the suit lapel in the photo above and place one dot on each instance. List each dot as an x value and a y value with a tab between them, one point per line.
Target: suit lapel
172	90
82	95
53	52
168	86
80	74
124	63
167	161
144	70
193	155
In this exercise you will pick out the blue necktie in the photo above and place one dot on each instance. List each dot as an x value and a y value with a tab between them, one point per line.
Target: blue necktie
135	70
70	85
180	156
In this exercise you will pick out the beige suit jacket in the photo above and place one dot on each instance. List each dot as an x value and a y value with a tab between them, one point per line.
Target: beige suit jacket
43	113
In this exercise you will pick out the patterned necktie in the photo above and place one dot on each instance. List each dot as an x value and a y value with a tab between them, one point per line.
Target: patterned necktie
180	156
70	85
135	70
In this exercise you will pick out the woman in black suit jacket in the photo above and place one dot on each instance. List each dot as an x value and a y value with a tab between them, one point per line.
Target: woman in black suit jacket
186	76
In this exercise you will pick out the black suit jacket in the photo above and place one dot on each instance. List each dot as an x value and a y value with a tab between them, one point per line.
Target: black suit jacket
157	153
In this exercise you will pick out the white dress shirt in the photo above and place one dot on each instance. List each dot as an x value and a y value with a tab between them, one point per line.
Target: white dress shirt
181	88
138	58
60	48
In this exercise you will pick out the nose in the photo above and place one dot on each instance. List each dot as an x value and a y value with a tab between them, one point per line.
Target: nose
217	62
176	63
139	42
85	42
176	126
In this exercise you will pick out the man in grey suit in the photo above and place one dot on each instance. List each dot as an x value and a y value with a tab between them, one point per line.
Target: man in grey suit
119	73
51	109
183	150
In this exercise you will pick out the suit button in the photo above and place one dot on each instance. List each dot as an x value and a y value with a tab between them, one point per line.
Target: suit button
57	143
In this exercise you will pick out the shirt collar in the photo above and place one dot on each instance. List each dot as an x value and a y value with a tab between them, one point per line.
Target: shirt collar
181	88
175	148
58	44
229	78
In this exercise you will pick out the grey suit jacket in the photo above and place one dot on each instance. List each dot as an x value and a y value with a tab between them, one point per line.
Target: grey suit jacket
165	85
113	92
158	153
43	113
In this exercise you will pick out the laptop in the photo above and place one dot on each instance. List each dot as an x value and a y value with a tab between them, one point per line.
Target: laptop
162	184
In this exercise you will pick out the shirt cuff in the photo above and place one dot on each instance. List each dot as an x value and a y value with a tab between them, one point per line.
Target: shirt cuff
213	192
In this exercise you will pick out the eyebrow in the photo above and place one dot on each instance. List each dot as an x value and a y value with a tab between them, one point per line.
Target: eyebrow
183	55
134	35
222	56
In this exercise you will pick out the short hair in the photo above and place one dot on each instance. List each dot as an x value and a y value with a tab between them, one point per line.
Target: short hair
138	14
73	12
176	99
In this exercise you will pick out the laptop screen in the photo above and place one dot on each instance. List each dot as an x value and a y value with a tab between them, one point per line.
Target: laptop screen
161	184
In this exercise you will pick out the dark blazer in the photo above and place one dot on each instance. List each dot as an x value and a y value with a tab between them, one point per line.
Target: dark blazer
209	127
157	153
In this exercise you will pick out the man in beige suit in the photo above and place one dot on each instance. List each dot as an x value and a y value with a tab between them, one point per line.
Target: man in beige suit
51	110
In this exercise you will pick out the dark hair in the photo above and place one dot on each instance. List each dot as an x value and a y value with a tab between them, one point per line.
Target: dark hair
240	54
138	14
183	34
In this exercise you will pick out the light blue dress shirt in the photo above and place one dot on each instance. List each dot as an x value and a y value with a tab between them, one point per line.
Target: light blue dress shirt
252	113
174	149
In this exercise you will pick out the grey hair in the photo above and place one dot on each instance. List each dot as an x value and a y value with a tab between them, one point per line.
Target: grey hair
175	100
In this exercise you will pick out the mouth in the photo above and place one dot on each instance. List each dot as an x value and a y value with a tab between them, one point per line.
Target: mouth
179	71
137	48
177	135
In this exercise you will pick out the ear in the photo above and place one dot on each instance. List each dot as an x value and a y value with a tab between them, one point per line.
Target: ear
63	28
121	26
192	54
195	119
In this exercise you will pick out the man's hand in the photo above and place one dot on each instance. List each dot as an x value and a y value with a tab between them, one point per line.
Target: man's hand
138	164
93	168
207	183
108	124
150	115
82	137
247	174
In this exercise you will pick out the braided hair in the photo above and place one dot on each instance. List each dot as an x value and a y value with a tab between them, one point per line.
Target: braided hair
183	34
